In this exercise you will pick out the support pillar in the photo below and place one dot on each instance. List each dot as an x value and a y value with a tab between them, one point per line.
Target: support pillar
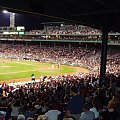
54	46
103	55
86	46
40	45
69	47
26	43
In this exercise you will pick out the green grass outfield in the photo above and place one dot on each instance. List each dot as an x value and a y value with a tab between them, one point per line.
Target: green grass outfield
13	70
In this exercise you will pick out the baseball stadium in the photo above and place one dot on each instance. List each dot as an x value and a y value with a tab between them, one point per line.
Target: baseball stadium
59	64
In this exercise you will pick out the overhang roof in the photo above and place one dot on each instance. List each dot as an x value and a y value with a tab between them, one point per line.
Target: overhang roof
95	13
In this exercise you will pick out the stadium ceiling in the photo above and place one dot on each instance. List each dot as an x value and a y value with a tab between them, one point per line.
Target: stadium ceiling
94	13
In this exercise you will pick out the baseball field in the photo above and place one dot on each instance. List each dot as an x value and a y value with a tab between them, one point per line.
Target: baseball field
14	70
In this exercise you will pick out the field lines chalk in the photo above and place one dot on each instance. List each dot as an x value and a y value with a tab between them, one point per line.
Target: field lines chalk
18	72
26	63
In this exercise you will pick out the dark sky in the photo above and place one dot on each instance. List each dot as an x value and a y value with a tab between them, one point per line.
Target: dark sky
29	21
46	7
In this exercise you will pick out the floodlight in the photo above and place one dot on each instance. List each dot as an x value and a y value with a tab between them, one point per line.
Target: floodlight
5	11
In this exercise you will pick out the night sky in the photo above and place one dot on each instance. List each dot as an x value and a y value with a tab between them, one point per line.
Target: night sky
29	21
46	7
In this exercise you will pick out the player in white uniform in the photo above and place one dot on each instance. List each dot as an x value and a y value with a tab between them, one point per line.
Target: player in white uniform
52	66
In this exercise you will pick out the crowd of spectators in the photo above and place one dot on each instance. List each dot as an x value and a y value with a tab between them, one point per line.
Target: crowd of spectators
50	37
71	97
66	29
71	55
64	32
65	97
81	38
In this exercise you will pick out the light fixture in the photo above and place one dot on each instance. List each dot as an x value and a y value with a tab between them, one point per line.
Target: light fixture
5	11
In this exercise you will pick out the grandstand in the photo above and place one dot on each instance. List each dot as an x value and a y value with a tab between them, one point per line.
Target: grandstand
39	53
67	70
66	33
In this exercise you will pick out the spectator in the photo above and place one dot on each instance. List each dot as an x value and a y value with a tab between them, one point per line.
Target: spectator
87	115
53	113
15	109
75	104
95	109
21	117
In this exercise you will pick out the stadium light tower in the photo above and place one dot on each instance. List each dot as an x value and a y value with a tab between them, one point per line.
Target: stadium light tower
12	18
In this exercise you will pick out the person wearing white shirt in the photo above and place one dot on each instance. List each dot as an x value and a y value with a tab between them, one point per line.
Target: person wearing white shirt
87	114
95	109
95	112
53	114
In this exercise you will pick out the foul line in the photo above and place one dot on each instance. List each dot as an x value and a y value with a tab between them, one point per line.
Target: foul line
18	72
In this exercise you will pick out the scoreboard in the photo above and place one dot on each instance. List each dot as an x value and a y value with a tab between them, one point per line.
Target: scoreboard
19	30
